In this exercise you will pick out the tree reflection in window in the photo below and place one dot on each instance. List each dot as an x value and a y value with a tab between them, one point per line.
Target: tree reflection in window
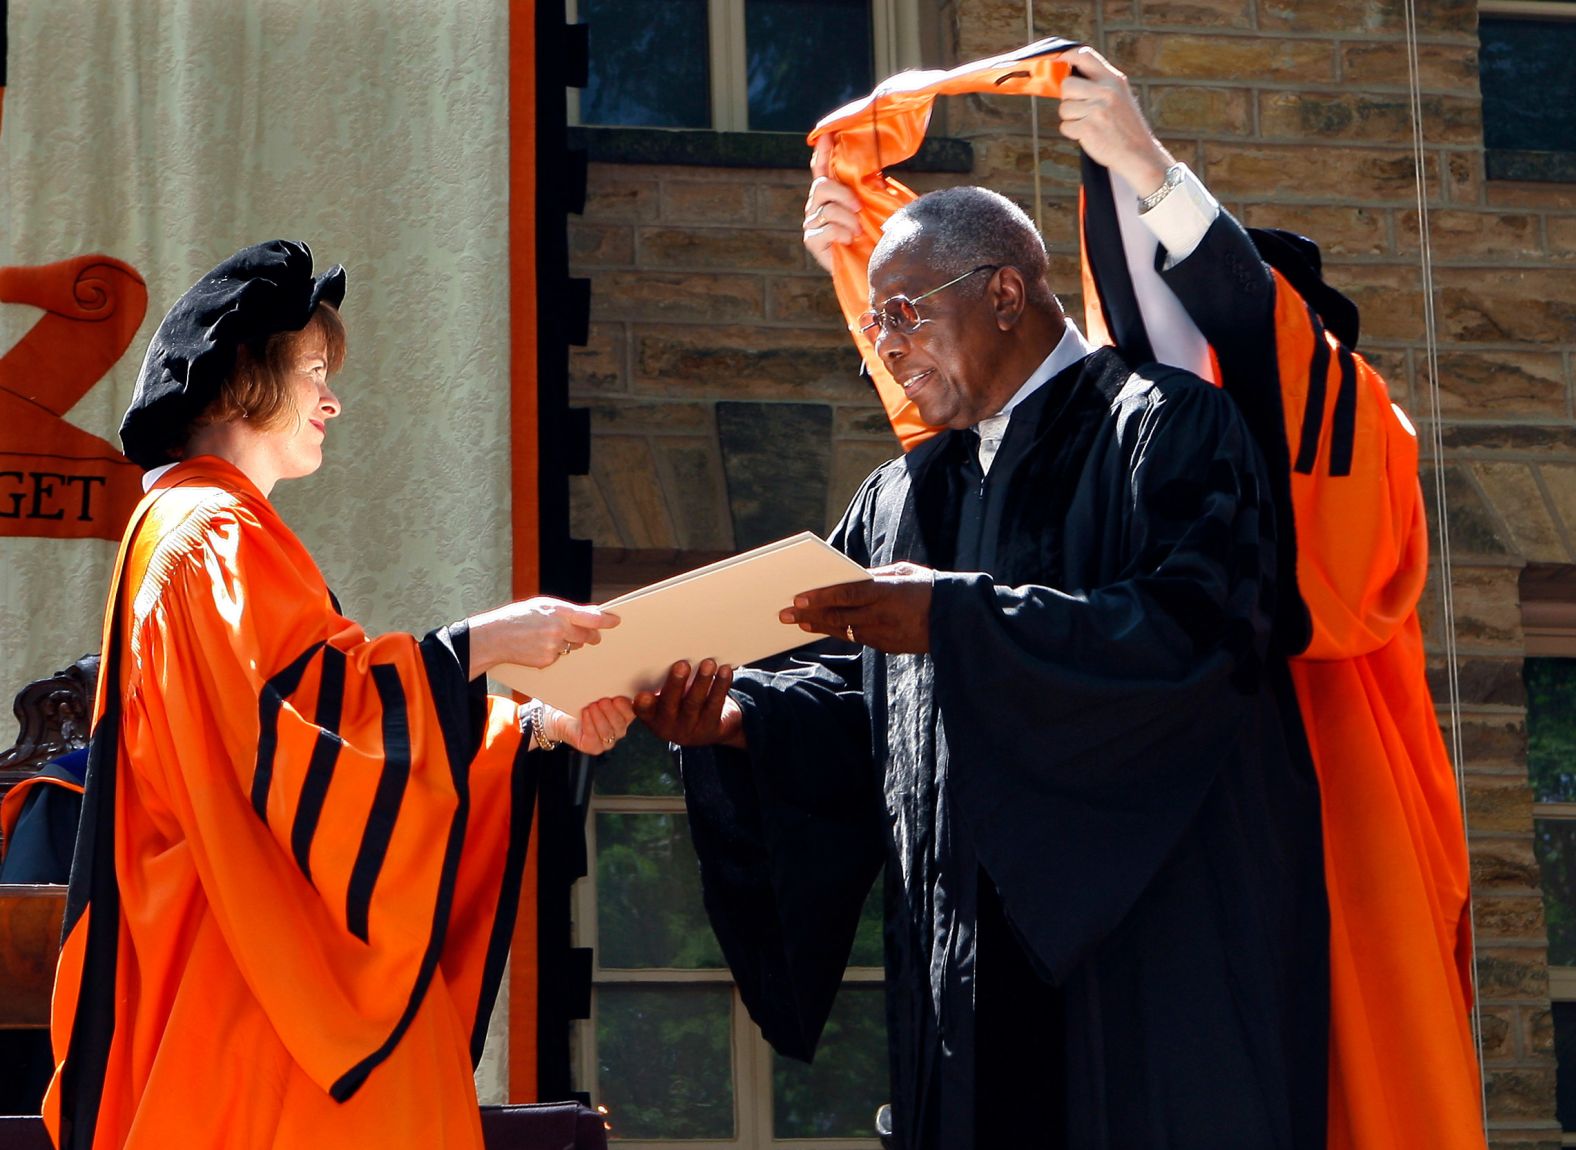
806	58
649	910
650	64
1551	768
665	1061
672	1054
836	1096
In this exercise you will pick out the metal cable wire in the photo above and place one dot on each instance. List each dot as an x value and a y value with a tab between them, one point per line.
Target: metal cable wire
1441	507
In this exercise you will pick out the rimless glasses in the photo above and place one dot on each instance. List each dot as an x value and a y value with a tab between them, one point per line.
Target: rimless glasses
898	313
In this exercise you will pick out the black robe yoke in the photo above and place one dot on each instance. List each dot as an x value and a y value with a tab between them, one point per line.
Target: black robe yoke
1092	738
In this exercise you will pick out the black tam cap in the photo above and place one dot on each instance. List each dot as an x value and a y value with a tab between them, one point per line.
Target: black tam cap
1297	258
258	292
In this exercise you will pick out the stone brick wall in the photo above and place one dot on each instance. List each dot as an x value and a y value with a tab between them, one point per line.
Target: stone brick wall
726	410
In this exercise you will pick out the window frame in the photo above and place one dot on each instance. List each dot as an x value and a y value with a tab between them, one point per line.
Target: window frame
896	44
617	571
750	1054
1548	624
1513	165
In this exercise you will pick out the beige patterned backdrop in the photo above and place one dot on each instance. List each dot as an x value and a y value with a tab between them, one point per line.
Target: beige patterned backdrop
170	134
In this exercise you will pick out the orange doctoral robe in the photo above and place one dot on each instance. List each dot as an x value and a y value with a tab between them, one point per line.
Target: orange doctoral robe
1403	1064
299	860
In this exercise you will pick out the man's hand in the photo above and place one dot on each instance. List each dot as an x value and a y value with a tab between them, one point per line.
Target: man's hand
890	612
1098	112
698	715
831	212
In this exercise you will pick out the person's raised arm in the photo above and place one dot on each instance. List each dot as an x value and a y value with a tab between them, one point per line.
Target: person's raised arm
1100	114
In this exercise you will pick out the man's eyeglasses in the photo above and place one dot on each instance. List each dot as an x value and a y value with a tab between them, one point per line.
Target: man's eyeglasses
898	313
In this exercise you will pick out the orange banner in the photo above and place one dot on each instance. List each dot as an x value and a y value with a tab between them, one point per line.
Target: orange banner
57	480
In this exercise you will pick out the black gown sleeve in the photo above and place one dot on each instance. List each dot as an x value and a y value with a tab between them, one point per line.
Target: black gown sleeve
1229	292
789	834
1086	725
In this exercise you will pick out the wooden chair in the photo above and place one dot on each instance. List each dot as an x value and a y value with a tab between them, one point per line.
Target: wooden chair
54	715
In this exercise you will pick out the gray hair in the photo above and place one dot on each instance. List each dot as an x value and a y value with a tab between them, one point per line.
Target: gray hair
960	228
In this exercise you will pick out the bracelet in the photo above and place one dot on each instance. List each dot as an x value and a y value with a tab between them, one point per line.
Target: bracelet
534	720
1173	180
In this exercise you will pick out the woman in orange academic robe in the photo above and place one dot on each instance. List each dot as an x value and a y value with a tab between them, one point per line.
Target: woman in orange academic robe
301	846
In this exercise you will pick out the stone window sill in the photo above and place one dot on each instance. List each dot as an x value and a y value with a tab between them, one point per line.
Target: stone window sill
706	149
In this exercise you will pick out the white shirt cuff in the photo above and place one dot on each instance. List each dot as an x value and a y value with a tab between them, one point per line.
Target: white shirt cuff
1180	220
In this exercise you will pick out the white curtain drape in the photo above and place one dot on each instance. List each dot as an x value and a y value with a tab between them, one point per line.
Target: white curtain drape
170	134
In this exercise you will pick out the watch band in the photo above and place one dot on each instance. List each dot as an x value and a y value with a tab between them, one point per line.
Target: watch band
1173	180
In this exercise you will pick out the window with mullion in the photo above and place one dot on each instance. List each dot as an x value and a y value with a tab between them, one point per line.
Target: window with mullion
736	65
1528	89
1551	768
670	1050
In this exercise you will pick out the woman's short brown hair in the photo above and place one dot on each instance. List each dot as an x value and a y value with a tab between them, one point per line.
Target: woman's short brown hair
258	389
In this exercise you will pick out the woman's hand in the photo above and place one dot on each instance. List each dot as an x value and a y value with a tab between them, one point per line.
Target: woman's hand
534	632
598	729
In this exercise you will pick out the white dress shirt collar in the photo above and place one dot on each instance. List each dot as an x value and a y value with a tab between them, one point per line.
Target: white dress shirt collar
1071	348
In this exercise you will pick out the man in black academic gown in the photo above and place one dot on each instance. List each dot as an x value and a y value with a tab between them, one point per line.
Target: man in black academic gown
1053	725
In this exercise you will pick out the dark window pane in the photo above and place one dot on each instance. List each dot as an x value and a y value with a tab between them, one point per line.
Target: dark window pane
805	58
1551	729
665	1061
1565	1056
650	63
640	765
1554	842
648	905
868	942
836	1096
1529	88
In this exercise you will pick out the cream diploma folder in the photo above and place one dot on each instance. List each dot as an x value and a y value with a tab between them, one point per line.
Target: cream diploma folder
726	611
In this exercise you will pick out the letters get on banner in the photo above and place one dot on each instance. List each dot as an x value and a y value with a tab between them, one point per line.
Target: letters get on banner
56	479
136	152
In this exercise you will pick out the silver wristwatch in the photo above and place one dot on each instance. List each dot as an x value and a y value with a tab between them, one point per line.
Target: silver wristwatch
1173	179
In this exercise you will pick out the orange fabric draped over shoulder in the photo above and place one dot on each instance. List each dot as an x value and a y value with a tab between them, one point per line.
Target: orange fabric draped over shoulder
1404	1068
301	855
887	127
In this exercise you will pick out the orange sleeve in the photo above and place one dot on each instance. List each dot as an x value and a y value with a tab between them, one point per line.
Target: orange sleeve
1362	545
311	773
